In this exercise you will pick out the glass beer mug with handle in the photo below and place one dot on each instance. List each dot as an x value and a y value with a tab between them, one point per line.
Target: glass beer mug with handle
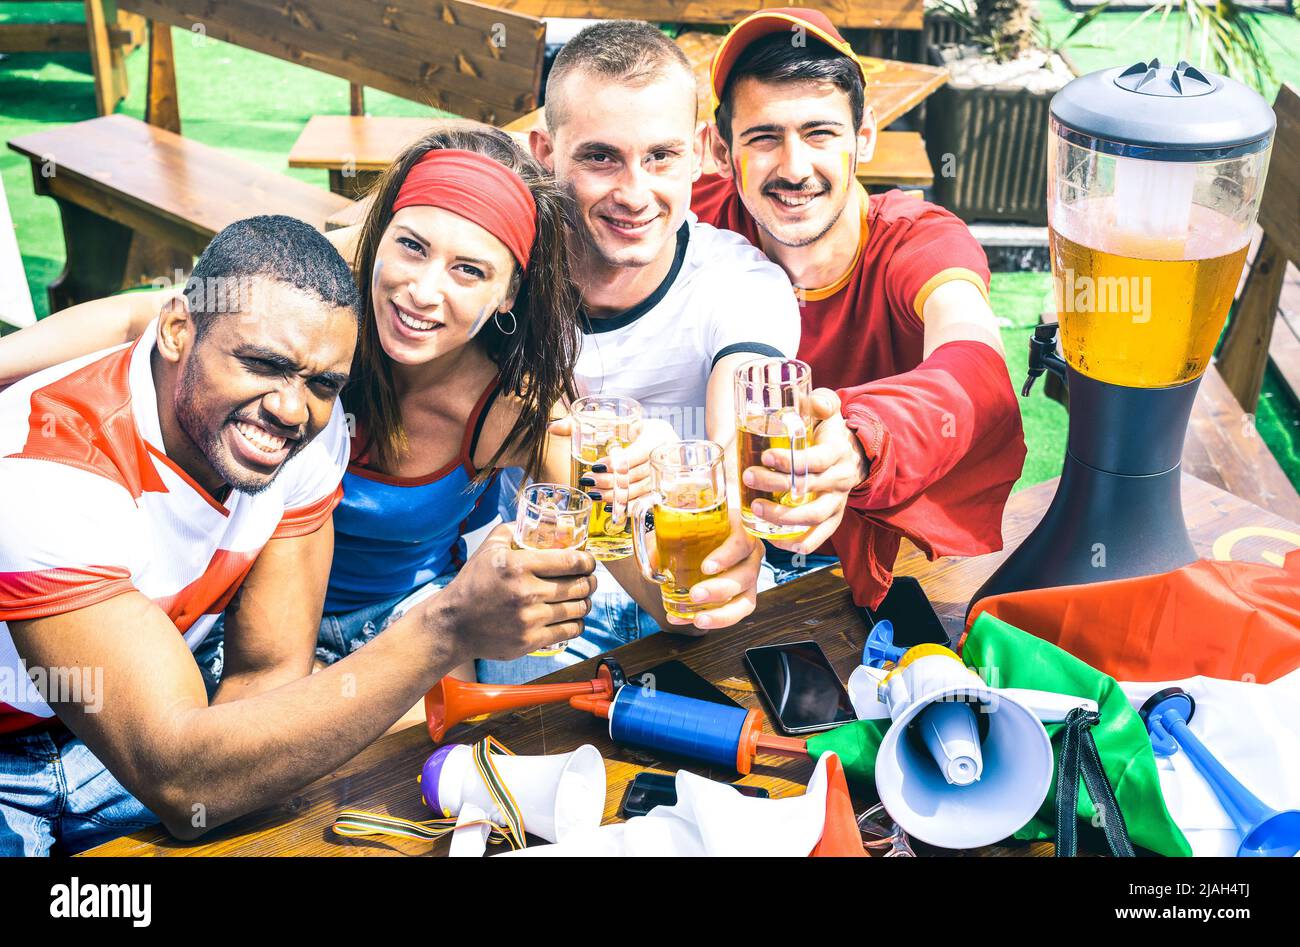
689	503
551	516
773	412
599	425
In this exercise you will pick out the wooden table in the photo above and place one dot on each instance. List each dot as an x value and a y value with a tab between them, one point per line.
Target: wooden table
353	149
382	777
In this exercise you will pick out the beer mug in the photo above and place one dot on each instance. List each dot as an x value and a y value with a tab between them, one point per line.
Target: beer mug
600	424
689	502
551	516
773	411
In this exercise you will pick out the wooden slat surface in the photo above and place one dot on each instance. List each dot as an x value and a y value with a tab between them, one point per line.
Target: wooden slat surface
50	37
467	58
165	185
369	143
382	778
1223	448
1284	347
856	14
893	87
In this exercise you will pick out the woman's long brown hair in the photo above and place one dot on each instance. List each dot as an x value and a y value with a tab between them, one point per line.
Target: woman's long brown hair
535	362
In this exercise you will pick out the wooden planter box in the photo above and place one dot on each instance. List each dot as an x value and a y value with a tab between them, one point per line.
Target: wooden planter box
988	146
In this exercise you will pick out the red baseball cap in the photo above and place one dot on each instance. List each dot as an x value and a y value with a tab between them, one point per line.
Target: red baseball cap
764	23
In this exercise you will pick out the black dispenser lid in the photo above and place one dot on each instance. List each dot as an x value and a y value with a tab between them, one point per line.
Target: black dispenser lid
1165	113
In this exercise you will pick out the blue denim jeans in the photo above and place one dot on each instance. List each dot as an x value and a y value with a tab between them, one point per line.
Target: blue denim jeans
57	797
340	634
780	567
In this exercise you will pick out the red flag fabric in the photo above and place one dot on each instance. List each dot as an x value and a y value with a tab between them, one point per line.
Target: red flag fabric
841	837
1229	620
947	445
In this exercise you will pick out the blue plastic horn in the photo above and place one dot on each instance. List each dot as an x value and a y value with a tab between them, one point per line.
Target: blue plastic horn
1263	831
880	649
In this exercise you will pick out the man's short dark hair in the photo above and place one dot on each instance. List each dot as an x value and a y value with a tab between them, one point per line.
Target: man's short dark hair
274	247
626	51
775	58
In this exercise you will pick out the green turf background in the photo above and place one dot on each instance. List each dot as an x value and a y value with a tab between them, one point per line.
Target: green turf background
255	106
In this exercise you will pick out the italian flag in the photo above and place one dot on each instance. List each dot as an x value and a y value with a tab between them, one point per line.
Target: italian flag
1227	633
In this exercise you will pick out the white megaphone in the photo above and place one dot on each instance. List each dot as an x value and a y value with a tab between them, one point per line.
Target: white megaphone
556	794
963	764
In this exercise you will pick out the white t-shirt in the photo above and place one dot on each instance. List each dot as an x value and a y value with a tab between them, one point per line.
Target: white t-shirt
721	296
91	507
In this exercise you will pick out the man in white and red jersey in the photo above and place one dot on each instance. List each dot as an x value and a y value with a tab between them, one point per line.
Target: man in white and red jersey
145	490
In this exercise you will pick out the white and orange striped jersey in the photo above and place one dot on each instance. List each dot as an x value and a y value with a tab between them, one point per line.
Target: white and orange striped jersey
91	507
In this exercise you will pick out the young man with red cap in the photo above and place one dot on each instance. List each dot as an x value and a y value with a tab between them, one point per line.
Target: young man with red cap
895	312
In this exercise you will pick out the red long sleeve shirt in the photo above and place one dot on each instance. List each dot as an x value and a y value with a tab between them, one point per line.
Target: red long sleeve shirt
943	434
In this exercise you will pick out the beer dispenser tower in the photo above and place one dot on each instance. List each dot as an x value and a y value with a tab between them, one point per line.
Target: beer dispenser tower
1154	180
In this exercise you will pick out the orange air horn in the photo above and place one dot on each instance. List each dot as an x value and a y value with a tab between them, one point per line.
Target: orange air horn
450	700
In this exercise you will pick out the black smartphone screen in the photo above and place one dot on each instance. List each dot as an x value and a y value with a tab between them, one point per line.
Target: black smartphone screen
648	790
674	677
801	688
906	607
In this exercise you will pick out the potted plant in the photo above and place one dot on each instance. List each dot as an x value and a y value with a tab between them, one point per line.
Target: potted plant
986	130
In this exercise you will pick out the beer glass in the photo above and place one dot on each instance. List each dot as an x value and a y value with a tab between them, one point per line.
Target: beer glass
600	424
689	502
773	411
551	516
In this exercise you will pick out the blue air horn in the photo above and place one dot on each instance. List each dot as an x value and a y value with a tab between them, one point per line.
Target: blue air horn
1263	831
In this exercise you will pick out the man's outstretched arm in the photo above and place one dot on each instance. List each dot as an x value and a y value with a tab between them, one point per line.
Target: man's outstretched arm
273	621
198	766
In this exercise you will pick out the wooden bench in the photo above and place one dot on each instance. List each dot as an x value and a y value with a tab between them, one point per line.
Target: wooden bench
117	180
107	34
1252	340
1222	446
354	149
139	204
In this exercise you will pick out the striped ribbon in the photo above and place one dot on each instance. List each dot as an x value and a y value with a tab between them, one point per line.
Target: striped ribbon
355	823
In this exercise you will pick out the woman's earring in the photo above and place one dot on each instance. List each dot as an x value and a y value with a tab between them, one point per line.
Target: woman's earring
514	323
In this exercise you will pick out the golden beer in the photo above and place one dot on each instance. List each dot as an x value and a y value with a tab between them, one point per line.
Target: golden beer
691	523
601	424
1139	311
605	541
754	435
551	516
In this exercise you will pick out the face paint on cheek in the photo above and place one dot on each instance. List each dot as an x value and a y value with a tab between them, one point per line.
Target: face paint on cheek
375	274
480	321
848	167
739	167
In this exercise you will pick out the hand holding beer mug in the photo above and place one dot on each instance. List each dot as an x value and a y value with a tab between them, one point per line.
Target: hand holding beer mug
773	412
689	503
552	516
600	426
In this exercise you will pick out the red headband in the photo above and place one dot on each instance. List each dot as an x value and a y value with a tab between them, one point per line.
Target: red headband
478	188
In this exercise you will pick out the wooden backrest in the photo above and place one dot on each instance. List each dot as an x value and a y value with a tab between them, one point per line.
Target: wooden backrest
845	14
467	58
1279	211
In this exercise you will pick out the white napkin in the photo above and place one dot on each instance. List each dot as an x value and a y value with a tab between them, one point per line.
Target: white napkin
710	818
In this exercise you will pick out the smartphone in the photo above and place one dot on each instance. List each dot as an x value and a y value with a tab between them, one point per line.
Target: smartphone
648	790
674	677
906	607
802	690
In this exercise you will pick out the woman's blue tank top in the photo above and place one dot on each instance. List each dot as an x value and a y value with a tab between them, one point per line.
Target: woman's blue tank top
394	534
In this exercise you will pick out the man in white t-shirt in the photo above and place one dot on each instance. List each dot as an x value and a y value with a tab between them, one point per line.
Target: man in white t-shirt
672	306
146	489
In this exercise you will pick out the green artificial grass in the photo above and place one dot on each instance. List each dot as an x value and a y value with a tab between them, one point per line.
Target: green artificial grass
255	106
